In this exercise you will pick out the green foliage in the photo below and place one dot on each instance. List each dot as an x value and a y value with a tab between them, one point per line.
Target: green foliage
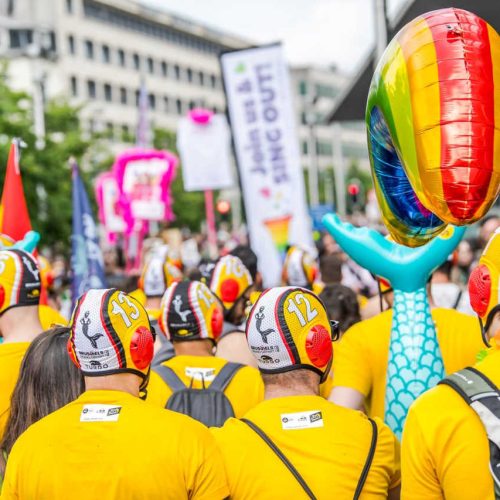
189	207
46	173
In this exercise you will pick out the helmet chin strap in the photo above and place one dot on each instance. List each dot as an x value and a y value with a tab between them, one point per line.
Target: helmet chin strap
489	320
143	391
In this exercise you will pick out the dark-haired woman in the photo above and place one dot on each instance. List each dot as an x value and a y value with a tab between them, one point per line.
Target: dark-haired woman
47	381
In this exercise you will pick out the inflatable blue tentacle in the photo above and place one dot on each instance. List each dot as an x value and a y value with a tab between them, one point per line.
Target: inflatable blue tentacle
415	361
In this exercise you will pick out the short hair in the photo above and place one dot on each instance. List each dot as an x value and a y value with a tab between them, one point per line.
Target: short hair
445	268
248	257
291	378
341	304
330	267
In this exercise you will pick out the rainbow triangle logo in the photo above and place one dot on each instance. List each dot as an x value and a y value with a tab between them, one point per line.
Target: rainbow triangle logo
278	228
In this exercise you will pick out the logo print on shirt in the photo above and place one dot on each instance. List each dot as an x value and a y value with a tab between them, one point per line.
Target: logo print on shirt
177	307
85	322
259	317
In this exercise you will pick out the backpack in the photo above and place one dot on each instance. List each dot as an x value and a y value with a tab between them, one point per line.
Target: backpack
208	405
483	397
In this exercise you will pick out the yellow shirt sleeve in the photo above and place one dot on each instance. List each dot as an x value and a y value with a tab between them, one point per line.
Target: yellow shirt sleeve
389	453
420	480
352	366
207	477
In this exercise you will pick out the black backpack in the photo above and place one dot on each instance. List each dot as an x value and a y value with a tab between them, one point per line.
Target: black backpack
208	405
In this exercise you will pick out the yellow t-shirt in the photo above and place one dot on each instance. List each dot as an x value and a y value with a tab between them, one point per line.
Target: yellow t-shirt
244	391
133	451
49	316
139	295
361	356
329	453
445	451
11	356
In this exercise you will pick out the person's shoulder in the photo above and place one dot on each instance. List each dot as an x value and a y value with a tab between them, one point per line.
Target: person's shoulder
439	401
45	428
455	318
248	373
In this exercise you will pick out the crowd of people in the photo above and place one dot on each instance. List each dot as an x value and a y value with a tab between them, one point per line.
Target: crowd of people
191	381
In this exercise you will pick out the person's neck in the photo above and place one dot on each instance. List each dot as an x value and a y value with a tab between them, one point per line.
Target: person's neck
276	391
194	348
153	303
125	382
20	324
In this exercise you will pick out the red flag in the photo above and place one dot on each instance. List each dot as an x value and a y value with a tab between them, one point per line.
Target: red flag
15	220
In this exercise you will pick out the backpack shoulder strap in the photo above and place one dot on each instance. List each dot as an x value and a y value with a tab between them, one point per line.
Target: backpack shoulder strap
224	377
484	398
169	377
471	384
369	460
280	455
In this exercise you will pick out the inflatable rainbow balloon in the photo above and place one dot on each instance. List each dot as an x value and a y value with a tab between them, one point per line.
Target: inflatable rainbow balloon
433	118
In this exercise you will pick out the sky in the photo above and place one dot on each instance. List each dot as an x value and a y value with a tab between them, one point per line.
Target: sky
318	32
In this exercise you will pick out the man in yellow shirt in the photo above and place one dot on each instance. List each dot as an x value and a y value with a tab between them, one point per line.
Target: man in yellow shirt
362	355
296	441
445	448
192	318
19	319
108	443
232	284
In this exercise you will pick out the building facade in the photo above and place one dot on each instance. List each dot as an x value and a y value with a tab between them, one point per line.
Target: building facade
99	52
323	146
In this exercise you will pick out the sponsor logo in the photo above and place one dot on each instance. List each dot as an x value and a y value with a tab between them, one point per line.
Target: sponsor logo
114	411
314	417
85	322
268	359
259	318
265	348
177	302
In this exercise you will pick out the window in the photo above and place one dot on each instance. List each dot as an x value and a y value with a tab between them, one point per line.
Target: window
113	17
108	94
109	130
137	62
121	57
71	44
192	104
10	8
324	148
302	87
178	106
151	65
89	49
91	89
126	137
164	68
137	94
177	72
105	54
326	91
19	39
165	104
152	101
189	73
201	78
69	6
123	95
213	81
74	86
305	147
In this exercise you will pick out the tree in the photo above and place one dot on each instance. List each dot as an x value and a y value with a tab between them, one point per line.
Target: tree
46	173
